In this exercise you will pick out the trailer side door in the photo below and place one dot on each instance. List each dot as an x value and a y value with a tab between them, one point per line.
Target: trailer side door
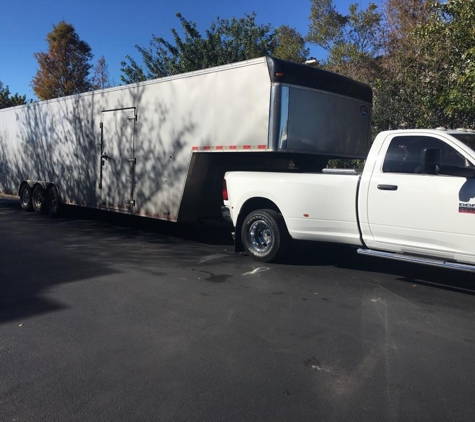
117	159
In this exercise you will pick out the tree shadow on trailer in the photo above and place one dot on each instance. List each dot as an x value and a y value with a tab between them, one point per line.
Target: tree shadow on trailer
10	167
62	144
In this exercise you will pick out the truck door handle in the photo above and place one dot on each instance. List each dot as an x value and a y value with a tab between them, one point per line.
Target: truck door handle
387	187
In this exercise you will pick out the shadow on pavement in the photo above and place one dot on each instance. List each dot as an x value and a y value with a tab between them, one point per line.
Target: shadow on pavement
320	254
38	253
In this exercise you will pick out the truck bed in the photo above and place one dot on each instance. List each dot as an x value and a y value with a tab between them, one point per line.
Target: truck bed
315	206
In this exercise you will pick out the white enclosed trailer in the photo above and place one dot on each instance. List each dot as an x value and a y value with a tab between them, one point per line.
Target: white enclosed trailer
160	148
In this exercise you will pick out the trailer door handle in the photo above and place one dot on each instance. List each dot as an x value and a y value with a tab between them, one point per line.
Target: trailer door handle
387	187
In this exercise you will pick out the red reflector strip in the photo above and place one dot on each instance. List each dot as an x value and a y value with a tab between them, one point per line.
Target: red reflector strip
261	147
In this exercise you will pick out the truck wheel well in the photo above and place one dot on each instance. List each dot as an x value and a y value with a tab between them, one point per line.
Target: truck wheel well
249	206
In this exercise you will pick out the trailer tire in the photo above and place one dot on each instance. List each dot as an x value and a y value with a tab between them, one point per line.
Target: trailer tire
265	236
53	201
25	198
39	199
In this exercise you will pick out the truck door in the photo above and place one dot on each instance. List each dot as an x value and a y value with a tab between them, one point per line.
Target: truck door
117	160
421	213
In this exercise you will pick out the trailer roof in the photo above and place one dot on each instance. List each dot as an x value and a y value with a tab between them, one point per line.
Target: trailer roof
312	77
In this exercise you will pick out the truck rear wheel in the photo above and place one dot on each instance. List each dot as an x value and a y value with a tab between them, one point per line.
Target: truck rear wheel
25	198
39	199
264	235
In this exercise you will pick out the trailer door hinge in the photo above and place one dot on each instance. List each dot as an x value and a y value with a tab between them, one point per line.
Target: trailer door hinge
130	202
132	160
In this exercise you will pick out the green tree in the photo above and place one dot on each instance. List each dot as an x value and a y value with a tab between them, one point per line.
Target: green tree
352	40
9	100
290	45
398	88
429	64
64	68
447	49
226	41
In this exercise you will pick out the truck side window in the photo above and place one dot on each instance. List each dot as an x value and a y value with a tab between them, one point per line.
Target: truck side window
404	154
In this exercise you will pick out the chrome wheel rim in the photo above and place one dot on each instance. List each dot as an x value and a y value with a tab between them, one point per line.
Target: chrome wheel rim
260	236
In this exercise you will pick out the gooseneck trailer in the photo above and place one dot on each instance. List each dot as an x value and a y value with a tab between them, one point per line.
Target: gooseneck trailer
160	148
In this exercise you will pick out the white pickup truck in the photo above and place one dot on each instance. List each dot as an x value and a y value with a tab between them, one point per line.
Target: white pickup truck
413	201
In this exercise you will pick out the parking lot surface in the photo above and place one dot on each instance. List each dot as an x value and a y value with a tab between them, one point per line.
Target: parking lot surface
112	318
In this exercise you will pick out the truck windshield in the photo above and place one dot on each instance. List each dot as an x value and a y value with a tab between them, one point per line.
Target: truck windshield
467	138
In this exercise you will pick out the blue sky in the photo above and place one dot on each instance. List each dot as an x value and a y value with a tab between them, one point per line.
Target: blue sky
113	27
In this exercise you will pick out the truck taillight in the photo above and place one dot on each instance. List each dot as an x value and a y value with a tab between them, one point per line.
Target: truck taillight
225	190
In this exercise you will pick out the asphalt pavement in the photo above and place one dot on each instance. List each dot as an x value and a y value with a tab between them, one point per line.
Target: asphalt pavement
113	318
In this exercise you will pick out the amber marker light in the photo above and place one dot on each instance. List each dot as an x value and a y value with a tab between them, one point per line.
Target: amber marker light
279	74
306	215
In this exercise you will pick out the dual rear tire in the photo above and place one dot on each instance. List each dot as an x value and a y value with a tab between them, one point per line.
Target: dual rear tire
264	235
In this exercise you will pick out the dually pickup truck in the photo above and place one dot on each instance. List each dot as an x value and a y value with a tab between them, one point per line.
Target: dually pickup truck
413	201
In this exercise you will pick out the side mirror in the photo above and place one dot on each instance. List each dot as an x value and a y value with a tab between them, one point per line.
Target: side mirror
430	161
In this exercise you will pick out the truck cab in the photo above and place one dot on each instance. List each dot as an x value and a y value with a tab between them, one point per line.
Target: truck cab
417	194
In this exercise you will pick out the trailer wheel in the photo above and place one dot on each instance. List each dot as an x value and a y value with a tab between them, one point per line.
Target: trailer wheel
264	235
39	199
25	198
53	201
